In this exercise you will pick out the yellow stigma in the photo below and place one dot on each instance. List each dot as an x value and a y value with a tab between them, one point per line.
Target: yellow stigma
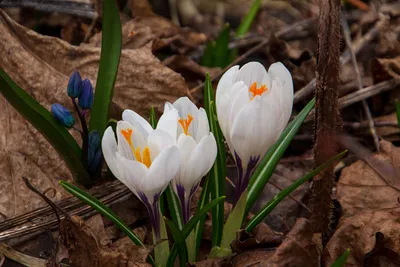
140	156
257	91
186	123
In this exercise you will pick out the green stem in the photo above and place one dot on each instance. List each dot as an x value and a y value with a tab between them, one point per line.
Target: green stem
161	249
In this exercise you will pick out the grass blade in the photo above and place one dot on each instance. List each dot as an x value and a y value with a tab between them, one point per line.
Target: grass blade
204	199
248	19
218	171
192	224
208	56
153	119
221	49
259	217
341	261
174	206
268	164
179	242
101	208
109	60
47	125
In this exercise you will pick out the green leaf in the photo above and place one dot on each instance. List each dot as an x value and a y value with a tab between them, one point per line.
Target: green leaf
217	52
208	56
259	217
179	242
341	261
153	119
174	206
47	125
191	224
232	225
102	209
204	199
397	102
221	49
271	159
248	19
109	60
218	171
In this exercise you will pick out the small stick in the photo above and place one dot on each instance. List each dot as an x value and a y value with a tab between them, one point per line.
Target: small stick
21	258
347	37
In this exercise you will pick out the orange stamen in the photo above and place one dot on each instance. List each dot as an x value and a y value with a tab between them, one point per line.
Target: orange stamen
257	91
186	123
145	159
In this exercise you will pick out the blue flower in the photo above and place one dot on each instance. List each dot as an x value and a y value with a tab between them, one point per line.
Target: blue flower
75	85
86	98
94	151
63	115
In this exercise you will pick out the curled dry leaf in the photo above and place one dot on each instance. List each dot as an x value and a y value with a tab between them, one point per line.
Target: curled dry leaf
299	248
358	234
84	248
42	65
361	188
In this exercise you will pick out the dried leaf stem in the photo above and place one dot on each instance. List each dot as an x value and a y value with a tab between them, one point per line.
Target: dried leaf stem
327	120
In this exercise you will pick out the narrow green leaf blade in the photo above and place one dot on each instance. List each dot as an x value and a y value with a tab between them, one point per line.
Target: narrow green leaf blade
234	222
174	206
341	261
179	242
218	171
47	125
101	208
192	224
109	60
153	119
208	55
204	199
221	51
268	164
259	217
248	19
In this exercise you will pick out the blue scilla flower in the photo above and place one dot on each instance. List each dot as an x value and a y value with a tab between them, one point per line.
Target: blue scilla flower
74	88
63	115
86	98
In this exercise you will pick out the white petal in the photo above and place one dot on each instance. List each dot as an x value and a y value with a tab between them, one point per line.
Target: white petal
169	122
123	146
135	175
157	141
250	73
253	129
238	101
186	145
109	148
200	162
136	120
186	107
226	82
203	127
284	85
167	107
162	171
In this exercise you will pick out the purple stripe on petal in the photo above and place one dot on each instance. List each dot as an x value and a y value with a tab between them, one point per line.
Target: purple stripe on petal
153	210
244	178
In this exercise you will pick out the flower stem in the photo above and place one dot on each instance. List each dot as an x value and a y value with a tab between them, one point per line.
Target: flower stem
160	239
85	135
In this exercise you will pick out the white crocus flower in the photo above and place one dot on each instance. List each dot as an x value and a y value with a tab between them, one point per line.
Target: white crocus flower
197	147
253	108
145	160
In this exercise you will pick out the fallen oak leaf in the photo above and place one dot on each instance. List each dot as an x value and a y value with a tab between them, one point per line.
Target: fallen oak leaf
380	250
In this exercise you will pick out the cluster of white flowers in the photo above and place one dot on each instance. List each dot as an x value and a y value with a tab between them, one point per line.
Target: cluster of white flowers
253	108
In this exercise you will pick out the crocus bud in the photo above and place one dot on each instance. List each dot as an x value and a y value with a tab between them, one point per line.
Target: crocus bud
75	85
86	98
63	115
94	151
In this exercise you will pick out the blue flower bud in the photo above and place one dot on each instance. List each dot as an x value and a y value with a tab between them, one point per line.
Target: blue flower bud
94	152
86	98
75	85
63	115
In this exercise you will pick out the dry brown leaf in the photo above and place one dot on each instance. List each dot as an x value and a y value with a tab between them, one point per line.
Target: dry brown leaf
358	234
42	65
251	258
300	248
84	248
389	133
385	68
361	189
